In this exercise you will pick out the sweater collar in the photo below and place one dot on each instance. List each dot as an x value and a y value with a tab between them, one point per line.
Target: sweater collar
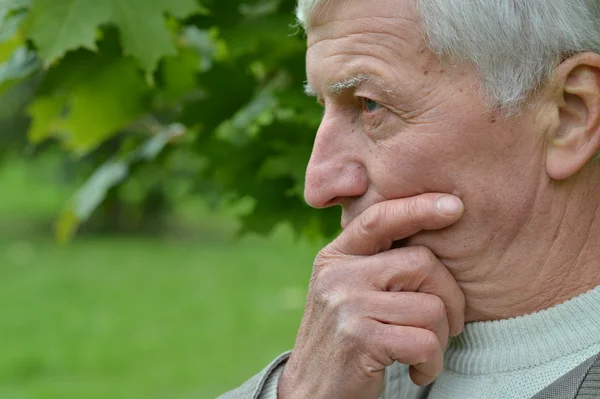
527	341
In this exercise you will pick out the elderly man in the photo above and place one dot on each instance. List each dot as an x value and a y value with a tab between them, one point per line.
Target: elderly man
459	137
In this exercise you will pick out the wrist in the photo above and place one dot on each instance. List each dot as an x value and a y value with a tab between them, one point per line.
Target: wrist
283	387
288	387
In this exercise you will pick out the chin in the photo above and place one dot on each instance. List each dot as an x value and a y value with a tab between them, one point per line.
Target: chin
448	246
429	239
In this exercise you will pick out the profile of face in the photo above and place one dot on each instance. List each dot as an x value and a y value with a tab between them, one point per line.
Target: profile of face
398	122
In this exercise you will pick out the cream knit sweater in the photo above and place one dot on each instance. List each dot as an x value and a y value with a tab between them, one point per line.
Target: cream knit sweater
516	358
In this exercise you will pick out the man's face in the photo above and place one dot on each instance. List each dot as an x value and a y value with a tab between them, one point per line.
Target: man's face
398	123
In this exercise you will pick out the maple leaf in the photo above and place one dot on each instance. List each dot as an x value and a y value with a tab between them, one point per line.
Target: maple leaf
59	26
93	114
10	5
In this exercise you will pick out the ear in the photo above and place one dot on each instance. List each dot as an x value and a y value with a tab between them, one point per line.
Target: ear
576	138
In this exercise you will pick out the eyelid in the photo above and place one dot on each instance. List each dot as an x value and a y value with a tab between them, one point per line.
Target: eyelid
374	96
362	100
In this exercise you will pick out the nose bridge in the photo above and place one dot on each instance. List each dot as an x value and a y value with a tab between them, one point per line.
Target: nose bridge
328	142
334	170
331	149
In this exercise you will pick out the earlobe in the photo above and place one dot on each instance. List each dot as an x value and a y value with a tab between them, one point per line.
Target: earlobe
576	138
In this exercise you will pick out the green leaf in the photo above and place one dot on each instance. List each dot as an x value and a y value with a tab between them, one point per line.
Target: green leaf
10	37
143	32
94	190
182	8
66	226
16	60
163	135
110	174
205	43
234	78
45	117
260	9
95	108
8	14
9	24
23	63
11	5
246	123
101	106
58	26
89	197
179	74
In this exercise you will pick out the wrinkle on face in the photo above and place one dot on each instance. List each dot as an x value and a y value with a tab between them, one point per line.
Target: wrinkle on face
349	12
389	52
436	134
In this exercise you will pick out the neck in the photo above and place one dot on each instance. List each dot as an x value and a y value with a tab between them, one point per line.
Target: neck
553	256
556	333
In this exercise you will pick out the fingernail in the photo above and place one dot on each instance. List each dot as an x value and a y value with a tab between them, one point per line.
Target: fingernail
449	205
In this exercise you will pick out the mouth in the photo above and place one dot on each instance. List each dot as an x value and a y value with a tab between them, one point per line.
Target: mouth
400	244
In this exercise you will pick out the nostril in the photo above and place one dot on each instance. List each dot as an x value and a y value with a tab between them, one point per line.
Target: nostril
333	202
315	198
333	181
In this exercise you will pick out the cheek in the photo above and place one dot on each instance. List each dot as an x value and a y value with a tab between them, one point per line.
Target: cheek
488	165
416	162
463	155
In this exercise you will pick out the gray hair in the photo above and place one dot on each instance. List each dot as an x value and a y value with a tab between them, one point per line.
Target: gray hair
515	44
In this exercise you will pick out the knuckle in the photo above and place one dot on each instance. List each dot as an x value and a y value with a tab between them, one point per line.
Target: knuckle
371	220
436	309
326	290
329	256
370	366
380	345
337	302
323	259
325	270
413	209
423	257
349	328
322	283
432	305
435	306
428	342
319	264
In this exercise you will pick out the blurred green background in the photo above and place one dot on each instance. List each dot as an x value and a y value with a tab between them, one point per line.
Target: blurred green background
154	240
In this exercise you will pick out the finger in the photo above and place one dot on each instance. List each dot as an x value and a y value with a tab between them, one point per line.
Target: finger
417	269
410	309
419	378
379	226
412	346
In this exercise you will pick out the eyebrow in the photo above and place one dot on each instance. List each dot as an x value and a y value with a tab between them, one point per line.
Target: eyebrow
338	88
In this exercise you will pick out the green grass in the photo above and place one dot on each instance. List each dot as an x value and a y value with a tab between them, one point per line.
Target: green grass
138	317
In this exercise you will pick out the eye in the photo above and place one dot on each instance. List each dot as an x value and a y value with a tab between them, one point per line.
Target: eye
369	105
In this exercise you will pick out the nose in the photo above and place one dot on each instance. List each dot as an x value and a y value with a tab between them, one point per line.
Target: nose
336	168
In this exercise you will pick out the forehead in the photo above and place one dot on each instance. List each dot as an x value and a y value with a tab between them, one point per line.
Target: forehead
322	10
361	14
352	37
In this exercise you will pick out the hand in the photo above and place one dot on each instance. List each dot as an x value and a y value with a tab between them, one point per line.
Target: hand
369	305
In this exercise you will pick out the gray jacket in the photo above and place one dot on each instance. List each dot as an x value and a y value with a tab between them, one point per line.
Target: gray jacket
583	382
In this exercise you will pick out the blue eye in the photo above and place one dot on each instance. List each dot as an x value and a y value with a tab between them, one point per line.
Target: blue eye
370	105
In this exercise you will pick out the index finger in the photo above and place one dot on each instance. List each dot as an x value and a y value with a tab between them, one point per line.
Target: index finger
377	228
